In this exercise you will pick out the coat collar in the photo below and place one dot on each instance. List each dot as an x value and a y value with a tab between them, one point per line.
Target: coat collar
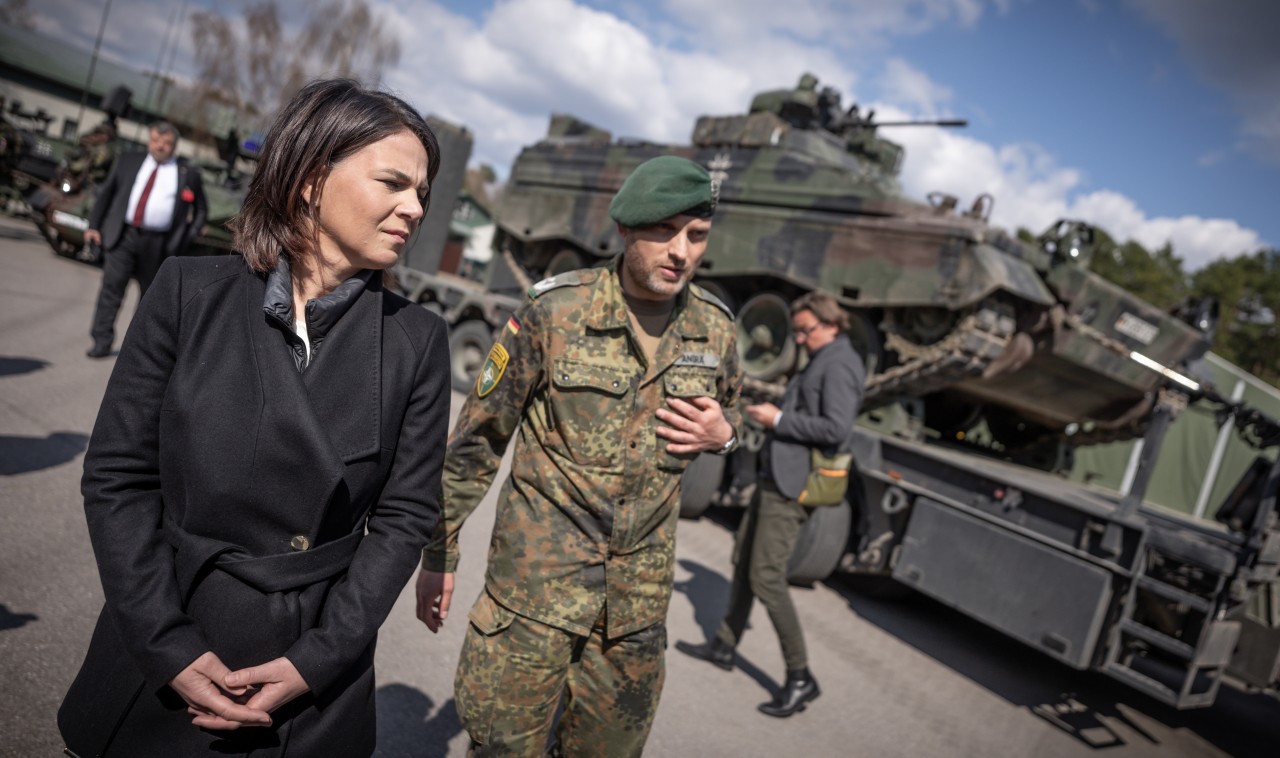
321	312
333	410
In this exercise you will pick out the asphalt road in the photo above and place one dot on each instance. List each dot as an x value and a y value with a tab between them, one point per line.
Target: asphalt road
907	678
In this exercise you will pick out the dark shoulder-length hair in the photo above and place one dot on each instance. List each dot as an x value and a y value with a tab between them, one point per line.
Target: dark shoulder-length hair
327	121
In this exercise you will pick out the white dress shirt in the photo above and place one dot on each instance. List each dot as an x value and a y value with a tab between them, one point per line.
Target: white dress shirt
158	215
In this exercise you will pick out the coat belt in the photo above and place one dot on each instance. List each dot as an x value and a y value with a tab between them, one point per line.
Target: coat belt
268	573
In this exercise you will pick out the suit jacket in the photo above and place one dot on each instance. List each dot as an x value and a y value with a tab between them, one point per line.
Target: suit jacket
107	215
819	408
228	496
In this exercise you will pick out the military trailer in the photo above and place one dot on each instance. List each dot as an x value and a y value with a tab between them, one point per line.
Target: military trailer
990	360
1169	604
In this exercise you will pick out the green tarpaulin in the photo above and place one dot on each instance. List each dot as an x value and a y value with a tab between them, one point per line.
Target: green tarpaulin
1188	452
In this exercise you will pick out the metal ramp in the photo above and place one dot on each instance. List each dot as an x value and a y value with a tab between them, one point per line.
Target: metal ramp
1169	642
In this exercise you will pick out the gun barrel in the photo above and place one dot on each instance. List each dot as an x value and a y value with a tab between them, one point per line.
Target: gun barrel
931	122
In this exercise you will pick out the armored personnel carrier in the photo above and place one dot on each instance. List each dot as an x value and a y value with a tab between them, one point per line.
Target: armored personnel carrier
966	319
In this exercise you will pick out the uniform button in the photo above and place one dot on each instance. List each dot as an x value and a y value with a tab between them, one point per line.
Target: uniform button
622	501
615	383
633	444
300	542
564	377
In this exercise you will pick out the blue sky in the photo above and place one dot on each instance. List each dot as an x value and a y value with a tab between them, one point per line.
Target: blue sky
1157	119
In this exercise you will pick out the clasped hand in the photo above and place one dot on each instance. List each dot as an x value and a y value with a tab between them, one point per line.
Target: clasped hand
219	698
694	426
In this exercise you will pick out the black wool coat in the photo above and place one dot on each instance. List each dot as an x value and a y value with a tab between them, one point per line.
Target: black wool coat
240	506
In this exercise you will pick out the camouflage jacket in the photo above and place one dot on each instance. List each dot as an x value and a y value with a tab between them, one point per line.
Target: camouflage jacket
587	519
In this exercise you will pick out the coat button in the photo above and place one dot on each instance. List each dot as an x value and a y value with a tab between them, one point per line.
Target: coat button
300	542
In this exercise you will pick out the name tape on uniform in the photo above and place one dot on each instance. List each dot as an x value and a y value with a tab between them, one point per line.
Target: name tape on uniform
704	360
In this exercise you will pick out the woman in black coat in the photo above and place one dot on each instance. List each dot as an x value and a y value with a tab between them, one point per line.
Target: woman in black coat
260	482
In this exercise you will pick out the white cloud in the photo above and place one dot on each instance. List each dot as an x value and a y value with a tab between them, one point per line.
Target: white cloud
912	89
1211	158
503	76
1031	190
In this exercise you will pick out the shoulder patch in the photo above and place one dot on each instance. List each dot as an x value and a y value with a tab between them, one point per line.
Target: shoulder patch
494	367
710	298
567	279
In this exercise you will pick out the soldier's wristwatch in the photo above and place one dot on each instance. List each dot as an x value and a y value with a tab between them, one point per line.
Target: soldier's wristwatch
728	446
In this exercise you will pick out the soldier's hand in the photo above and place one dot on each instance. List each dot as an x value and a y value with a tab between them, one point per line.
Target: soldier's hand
435	591
693	427
92	237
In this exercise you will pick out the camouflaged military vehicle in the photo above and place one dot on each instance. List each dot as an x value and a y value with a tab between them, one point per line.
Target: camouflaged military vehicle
946	308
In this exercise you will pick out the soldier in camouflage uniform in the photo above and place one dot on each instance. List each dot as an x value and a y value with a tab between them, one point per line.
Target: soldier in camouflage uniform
612	380
90	162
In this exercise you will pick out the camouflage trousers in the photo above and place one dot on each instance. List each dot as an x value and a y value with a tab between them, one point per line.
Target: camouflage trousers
513	672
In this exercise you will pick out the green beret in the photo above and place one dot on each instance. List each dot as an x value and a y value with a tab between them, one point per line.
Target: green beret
660	188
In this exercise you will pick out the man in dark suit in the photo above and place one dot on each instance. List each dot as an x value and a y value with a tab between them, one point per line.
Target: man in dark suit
817	411
150	207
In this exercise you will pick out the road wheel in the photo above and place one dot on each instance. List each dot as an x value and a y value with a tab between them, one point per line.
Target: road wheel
867	341
720	291
701	480
469	343
765	345
822	542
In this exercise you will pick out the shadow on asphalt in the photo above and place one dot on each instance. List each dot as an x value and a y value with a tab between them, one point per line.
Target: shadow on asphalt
1083	704
11	620
405	731
10	366
708	593
19	455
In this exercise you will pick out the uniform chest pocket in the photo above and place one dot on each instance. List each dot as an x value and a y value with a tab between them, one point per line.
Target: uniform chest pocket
686	383
591	405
